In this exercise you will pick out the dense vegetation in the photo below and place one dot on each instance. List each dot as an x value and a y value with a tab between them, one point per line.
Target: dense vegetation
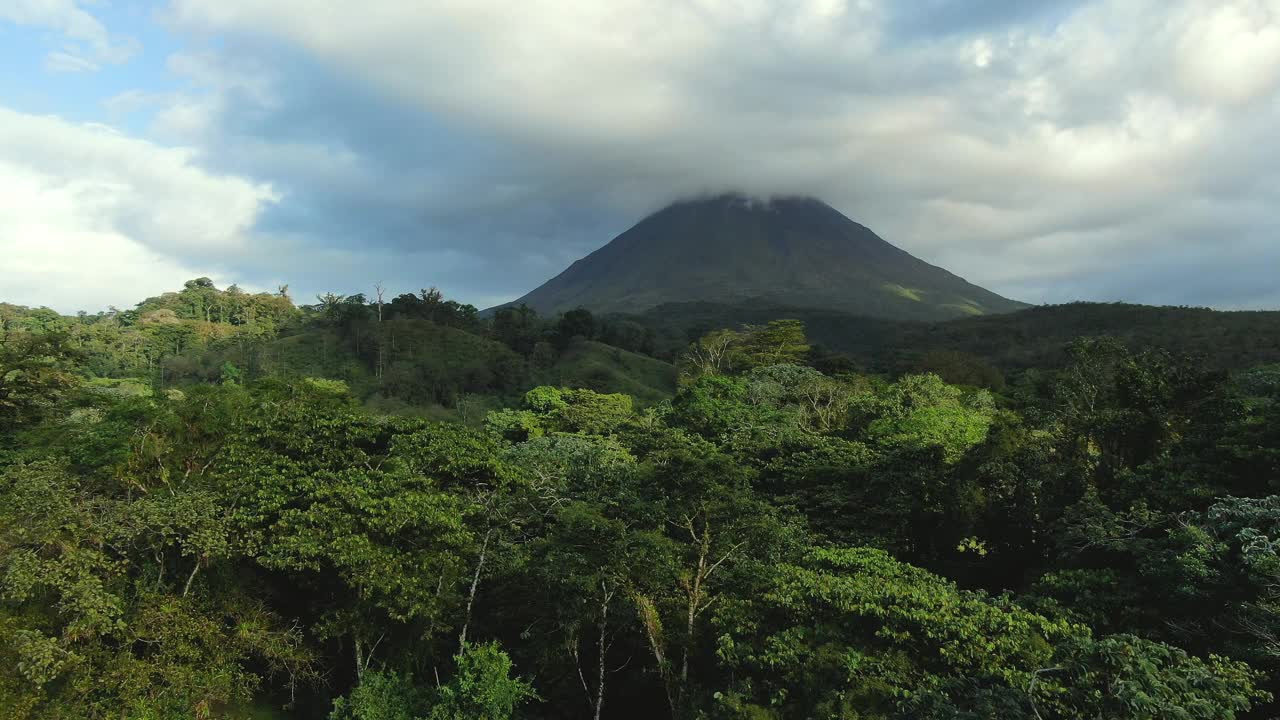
221	505
1036	338
415	353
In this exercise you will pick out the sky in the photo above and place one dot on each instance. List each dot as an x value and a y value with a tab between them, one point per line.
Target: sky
1050	151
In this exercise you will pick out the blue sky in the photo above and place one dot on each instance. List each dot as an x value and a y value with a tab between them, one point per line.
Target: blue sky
35	84
1051	151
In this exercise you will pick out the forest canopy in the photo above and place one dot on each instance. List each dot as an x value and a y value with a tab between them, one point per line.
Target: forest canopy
223	505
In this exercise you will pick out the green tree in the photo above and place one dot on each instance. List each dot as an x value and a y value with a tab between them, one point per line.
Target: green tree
34	375
779	342
852	632
383	695
97	619
577	323
482	687
923	411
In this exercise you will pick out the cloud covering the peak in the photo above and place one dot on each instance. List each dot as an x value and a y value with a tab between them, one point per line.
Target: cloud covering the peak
1104	149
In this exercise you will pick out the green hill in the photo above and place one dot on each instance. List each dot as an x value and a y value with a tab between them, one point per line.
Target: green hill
1034	337
607	369
425	364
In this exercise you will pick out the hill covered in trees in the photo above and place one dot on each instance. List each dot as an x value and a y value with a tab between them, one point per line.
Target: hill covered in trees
797	252
416	353
1012	342
222	505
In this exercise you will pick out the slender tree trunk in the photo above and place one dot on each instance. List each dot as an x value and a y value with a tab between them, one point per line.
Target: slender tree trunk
475	583
695	598
577	663
601	649
596	702
186	590
364	658
649	619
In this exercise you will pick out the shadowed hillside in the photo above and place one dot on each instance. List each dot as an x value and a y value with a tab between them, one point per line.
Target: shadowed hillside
1035	337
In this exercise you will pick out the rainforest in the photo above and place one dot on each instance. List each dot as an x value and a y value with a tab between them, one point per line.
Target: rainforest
220	504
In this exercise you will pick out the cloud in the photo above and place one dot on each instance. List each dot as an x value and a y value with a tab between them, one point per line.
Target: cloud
1231	53
86	42
67	62
1043	149
90	217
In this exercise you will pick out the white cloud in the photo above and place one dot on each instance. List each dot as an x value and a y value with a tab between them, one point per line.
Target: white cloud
1230	52
87	44
628	69
90	217
997	153
69	62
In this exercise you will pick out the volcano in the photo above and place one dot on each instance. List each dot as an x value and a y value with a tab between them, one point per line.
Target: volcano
787	251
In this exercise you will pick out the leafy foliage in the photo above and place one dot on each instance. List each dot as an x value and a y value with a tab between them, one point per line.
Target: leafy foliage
773	541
